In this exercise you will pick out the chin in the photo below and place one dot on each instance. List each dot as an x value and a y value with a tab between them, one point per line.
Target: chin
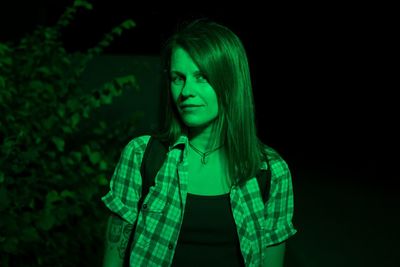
197	124
194	125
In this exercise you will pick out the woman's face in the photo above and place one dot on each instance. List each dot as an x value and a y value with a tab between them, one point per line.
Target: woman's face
189	87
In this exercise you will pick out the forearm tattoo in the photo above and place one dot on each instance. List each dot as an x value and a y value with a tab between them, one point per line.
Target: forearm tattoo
114	230
127	230
123	247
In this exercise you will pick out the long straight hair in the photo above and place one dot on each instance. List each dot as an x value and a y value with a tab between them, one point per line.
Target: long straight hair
220	55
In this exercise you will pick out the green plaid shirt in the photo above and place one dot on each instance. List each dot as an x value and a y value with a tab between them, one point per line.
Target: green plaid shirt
160	219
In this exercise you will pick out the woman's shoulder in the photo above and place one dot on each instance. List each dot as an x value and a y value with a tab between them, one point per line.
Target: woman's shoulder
137	144
271	153
275	161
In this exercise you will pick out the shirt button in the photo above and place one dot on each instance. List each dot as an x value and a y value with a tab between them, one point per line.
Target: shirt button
144	206
170	246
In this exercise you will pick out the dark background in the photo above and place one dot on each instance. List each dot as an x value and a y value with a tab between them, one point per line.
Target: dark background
317	98
311	65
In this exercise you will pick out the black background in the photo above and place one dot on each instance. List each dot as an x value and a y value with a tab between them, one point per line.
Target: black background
311	65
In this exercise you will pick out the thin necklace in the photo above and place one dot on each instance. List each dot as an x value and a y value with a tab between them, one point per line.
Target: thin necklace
203	155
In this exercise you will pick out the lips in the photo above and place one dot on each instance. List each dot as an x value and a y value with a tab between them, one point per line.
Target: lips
189	106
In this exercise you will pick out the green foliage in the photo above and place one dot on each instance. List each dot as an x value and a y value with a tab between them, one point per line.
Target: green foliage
53	172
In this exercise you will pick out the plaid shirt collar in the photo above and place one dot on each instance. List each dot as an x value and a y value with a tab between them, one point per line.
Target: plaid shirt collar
183	141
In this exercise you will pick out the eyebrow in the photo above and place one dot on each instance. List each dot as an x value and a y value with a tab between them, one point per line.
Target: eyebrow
197	72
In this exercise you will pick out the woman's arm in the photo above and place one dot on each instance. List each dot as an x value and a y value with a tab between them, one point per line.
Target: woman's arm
117	236
274	255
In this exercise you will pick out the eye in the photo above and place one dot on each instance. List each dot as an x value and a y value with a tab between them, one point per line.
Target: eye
176	79
201	78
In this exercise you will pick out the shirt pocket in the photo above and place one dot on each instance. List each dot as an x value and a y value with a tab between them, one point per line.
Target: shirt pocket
155	201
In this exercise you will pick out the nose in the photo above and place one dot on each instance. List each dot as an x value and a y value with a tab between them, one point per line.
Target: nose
188	88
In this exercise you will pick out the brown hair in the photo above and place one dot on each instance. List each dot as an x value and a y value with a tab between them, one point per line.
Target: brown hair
220	54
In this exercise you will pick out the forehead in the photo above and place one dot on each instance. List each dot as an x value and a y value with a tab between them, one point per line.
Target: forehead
182	62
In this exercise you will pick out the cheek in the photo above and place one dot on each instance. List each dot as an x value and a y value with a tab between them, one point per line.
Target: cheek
214	101
174	94
216	108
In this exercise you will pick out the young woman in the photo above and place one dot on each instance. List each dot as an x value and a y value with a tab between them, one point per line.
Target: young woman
205	208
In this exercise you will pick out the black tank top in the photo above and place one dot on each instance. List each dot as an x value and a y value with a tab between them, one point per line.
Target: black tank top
208	236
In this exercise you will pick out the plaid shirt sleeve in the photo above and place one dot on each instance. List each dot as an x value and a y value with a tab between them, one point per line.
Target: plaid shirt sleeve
279	208
125	184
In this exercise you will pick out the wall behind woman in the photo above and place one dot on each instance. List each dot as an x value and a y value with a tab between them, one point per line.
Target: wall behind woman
145	100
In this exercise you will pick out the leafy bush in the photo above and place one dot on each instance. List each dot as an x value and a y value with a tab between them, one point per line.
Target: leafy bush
52	170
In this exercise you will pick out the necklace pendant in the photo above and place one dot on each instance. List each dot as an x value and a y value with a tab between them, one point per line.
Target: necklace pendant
203	159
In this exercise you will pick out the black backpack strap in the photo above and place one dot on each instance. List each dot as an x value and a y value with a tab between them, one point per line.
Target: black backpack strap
153	158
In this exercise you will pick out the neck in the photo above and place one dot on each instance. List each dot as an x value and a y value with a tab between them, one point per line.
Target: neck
202	139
